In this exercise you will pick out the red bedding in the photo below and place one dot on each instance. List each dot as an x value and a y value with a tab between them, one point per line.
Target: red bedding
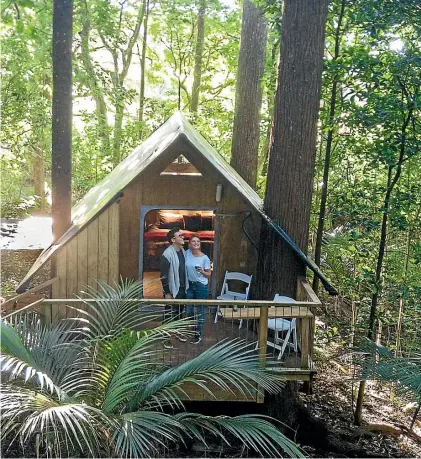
160	235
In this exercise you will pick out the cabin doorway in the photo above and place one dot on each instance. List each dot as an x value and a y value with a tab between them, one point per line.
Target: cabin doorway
155	224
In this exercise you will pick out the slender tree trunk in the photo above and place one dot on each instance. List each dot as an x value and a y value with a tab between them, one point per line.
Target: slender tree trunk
198	56
293	148
38	174
248	93
94	86
392	180
143	68
61	171
401	300
332	109
118	129
118	78
399	328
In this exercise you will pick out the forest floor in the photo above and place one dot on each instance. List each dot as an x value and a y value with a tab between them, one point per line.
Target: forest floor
332	401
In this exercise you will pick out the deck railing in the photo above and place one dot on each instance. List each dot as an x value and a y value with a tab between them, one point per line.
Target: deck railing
253	321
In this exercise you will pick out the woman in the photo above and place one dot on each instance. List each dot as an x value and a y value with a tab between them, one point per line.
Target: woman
198	273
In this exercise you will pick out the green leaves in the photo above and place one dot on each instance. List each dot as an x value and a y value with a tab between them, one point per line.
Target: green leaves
11	343
380	364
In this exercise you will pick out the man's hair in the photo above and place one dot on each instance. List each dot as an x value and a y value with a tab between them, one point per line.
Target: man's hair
171	234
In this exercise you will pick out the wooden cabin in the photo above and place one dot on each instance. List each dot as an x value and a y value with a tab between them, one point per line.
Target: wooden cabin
175	178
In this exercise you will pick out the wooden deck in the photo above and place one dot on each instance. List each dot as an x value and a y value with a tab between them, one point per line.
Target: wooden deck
254	314
289	367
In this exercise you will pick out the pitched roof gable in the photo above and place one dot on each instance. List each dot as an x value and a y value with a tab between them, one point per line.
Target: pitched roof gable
109	189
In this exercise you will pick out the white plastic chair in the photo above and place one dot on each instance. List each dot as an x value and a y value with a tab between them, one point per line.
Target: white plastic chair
281	326
227	294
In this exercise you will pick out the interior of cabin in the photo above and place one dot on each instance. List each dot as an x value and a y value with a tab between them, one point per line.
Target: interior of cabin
157	223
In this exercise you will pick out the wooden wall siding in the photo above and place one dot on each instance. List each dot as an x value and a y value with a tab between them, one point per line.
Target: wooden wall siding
71	270
59	288
235	252
93	254
103	246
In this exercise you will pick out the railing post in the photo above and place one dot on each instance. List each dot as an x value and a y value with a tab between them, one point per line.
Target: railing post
305	293
48	314
305	342
263	338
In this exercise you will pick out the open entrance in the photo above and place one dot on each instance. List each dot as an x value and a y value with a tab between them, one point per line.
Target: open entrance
156	224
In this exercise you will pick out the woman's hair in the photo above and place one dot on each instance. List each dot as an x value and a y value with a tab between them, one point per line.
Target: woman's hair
195	236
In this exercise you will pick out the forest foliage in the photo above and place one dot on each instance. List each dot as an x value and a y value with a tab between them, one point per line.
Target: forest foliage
372	70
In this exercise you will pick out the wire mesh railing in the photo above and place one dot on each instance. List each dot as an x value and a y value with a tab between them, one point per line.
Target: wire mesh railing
276	332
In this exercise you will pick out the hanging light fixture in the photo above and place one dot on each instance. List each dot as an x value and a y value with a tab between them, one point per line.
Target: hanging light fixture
218	192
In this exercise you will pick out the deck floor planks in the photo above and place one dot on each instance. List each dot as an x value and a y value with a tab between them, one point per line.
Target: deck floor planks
221	331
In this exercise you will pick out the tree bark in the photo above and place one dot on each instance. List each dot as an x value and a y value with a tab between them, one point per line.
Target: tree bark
264	152
293	147
248	94
328	152
198	57
61	169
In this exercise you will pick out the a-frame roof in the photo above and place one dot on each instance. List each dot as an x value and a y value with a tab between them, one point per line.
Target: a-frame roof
110	188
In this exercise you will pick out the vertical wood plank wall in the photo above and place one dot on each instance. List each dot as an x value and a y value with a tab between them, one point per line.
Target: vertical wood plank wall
235	251
92	254
109	246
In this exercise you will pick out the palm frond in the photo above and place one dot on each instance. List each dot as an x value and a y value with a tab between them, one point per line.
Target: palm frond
77	385
114	307
12	343
380	364
59	423
50	350
120	362
254	431
13	368
230	365
142	432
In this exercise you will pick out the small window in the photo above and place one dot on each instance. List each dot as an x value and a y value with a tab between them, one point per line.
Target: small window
181	166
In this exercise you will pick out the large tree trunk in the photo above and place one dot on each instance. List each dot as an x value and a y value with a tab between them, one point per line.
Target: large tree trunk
61	173
248	95
293	148
194	103
332	109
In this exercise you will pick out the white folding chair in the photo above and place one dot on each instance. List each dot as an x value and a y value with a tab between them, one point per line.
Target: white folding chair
227	294
279	326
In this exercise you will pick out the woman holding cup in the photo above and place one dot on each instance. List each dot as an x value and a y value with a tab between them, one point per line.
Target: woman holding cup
198	273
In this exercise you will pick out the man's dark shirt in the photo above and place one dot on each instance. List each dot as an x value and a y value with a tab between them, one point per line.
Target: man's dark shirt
165	268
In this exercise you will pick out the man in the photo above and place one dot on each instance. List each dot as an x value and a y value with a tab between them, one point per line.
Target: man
174	273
